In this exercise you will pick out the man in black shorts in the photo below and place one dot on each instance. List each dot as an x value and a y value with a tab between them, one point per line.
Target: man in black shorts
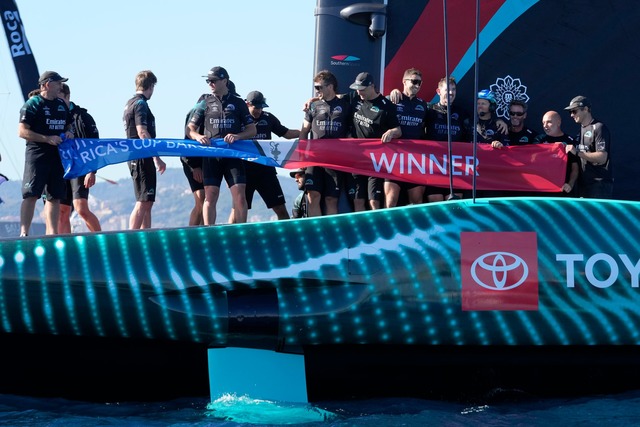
593	148
224	115
192	168
139	123
374	116
327	117
78	188
411	112
261	178
43	118
445	120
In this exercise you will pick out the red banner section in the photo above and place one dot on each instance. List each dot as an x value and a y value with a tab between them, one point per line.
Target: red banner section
536	167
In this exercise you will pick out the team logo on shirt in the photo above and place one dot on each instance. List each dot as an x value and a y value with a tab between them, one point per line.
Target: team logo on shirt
374	109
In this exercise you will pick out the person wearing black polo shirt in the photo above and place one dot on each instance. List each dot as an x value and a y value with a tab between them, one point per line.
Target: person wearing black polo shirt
261	178
519	134
43	118
224	115
139	123
328	116
552	125
411	111
374	116
593	149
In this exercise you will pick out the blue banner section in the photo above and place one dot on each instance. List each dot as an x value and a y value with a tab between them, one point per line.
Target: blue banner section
81	156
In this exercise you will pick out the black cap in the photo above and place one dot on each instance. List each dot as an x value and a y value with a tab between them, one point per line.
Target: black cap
578	102
297	171
217	73
256	99
51	76
363	81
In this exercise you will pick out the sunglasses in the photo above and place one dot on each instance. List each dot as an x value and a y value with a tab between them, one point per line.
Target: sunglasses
516	113
209	81
575	111
318	87
416	82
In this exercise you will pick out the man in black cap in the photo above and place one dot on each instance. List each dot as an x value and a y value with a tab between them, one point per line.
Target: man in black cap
261	178
224	115
594	151
374	116
44	118
299	209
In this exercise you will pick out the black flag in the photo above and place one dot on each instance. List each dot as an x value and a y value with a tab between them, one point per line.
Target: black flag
23	58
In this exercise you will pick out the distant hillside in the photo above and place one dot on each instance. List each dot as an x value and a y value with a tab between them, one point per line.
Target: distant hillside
112	203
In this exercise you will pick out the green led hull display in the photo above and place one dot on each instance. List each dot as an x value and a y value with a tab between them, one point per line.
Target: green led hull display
495	272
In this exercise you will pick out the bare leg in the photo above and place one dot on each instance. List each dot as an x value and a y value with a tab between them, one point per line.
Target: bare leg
391	194
416	195
211	194
64	225
239	200
313	203
331	205
140	216
82	207
195	218
52	216
26	214
359	205
281	212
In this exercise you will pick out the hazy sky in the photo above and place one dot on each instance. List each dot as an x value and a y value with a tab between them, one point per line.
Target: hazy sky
101	45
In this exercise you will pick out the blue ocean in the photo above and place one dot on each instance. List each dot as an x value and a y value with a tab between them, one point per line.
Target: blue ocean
611	410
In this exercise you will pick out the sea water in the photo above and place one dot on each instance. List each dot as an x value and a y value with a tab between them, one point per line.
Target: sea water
229	410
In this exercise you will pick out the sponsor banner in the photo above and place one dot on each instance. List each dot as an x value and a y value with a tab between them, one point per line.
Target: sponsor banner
499	271
537	167
23	59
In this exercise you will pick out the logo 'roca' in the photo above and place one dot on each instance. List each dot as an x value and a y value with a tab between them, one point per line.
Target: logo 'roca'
499	271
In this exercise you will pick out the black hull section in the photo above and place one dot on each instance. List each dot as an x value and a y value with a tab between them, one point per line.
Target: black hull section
117	370
470	374
101	369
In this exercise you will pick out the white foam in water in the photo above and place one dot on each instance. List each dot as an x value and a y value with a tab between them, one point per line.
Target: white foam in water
244	409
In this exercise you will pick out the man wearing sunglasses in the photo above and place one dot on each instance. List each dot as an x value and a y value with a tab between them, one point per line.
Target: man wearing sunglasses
327	117
519	134
593	149
225	116
411	112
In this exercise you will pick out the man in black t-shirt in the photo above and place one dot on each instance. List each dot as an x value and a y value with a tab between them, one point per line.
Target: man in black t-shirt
373	116
43	118
552	125
261	178
411	111
224	115
139	123
327	117
519	134
594	151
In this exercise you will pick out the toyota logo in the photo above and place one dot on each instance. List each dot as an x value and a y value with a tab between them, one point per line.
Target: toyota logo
499	271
